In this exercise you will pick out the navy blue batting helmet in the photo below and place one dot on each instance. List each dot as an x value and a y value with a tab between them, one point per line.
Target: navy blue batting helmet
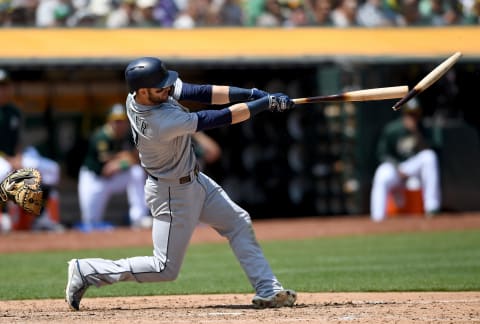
148	72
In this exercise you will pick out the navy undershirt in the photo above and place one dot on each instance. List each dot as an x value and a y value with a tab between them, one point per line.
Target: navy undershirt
197	92
208	119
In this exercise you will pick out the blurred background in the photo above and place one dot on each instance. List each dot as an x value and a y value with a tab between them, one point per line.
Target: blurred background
67	57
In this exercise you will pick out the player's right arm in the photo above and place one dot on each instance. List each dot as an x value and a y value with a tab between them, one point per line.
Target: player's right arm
177	122
214	94
240	112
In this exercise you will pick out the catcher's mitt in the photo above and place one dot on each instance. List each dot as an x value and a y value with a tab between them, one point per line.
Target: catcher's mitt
22	186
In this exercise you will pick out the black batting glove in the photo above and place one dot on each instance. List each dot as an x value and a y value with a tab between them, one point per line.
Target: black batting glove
280	102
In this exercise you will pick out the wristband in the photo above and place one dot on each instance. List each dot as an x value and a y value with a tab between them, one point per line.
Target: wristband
124	165
236	94
258	105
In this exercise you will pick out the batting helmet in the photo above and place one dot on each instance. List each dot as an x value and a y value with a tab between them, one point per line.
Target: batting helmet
148	72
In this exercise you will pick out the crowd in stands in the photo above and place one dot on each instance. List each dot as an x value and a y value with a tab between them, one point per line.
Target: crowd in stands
250	13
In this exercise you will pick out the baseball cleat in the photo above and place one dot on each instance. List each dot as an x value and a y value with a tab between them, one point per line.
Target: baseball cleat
76	286
282	298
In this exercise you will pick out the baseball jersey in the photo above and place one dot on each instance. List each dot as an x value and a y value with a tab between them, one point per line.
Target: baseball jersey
162	134
103	146
10	124
397	143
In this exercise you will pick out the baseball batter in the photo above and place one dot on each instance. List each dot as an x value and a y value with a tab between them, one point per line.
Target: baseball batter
179	196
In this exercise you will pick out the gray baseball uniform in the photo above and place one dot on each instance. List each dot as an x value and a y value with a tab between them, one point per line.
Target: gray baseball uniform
179	197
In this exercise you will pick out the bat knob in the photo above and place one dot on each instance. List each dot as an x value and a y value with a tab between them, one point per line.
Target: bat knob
396	107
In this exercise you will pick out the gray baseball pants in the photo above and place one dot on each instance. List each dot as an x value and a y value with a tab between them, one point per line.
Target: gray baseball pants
177	209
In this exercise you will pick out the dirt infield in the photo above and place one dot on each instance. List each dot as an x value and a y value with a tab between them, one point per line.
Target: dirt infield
459	307
451	307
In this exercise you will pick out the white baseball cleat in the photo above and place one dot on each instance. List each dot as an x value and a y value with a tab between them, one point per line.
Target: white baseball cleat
282	298
76	286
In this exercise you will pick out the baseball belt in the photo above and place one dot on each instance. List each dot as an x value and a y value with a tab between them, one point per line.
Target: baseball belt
186	179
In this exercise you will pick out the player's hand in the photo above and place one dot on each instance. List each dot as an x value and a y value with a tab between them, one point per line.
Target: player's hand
111	168
280	102
257	94
403	176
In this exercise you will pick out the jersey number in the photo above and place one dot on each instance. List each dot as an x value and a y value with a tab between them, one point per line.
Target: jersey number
142	127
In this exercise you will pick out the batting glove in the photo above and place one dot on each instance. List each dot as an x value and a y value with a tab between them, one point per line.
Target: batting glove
280	102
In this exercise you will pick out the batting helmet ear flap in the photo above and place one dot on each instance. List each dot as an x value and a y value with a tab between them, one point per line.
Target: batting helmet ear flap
148	72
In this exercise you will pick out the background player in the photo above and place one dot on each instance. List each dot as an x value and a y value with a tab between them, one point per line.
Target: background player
178	194
14	156
111	166
405	150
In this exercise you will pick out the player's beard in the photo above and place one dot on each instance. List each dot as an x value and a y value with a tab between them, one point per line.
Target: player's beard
155	98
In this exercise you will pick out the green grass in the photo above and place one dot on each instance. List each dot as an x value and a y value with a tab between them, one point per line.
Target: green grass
446	261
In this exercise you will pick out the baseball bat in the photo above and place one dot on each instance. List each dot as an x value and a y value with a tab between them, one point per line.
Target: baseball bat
358	95
429	79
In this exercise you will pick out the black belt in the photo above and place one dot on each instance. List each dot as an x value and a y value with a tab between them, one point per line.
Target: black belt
182	180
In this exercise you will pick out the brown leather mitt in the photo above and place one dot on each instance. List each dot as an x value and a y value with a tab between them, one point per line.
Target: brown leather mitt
22	186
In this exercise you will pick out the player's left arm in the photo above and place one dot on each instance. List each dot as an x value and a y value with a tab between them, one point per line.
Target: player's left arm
214	94
121	161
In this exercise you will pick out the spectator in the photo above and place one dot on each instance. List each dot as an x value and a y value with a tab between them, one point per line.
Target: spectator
476	12
165	12
91	13
145	13
111	166
62	12
251	10
439	13
405	150
14	156
4	16
186	19
471	12
45	13
372	14
345	13
272	15
84	17
296	17
321	11
207	13
123	16
180	4
263	13
230	13
410	14
198	13
21	13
